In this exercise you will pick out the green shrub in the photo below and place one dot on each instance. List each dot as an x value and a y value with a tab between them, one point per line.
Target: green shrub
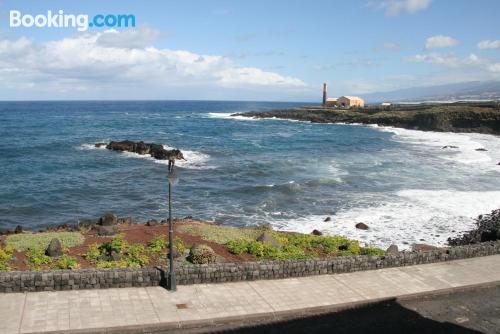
158	244
135	256
352	248
291	252
108	264
24	241
238	246
331	245
256	248
202	254
93	253
372	251
5	257
179	246
67	262
118	244
37	259
131	255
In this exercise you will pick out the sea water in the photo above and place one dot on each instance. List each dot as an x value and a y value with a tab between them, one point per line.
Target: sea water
243	171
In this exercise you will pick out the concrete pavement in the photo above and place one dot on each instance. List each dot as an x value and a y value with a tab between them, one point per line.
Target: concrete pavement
154	308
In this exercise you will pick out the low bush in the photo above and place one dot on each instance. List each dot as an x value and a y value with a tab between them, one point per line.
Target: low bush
238	246
372	251
117	253
135	256
202	254
25	241
37	260
118	245
295	246
158	244
93	253
5	257
67	262
179	246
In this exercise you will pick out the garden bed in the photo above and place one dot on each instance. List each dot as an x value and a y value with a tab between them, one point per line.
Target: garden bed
140	245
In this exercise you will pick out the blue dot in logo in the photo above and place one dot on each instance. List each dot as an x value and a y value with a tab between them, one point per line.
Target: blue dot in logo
91	24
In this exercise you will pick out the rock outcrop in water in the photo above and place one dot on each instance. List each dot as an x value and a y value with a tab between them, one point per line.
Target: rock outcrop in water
157	151
487	229
459	117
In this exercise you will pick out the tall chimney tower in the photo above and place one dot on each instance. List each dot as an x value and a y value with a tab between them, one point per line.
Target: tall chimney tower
325	94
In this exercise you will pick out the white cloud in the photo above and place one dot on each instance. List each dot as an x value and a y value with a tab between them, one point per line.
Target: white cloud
126	61
435	58
487	44
440	41
391	46
481	67
494	67
395	7
322	67
134	38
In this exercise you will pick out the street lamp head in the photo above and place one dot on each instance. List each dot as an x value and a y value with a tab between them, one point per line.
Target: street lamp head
173	177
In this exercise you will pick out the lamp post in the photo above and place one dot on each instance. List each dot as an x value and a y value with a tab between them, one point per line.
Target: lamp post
172	179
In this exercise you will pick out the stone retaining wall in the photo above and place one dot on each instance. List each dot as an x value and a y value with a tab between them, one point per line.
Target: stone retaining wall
19	281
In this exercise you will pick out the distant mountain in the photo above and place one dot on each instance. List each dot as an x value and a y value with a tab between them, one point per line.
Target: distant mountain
473	90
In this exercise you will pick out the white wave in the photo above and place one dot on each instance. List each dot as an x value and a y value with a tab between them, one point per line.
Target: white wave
226	115
90	147
194	159
464	146
414	216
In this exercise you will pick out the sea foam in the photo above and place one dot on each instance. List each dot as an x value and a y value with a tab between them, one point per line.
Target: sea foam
463	146
412	216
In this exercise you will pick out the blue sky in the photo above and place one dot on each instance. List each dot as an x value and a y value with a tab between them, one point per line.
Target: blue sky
249	50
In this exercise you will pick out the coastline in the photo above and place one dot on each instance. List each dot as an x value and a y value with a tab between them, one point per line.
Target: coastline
460	118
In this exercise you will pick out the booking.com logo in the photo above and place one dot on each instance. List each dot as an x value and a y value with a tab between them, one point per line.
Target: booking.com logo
61	20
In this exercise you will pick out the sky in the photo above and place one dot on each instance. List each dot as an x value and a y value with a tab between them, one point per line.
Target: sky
280	50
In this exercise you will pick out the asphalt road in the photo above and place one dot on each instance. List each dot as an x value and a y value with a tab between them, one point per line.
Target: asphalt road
472	311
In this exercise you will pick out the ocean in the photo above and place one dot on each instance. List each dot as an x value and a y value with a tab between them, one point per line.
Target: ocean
241	171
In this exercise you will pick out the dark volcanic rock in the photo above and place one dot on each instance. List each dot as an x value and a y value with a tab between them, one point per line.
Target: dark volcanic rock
316	232
422	247
267	237
98	145
54	248
327	219
393	249
105	231
157	151
487	229
125	221
449	146
362	226
481	149
152	222
86	224
18	229
108	219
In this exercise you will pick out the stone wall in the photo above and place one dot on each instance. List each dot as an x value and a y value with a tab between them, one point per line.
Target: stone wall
19	281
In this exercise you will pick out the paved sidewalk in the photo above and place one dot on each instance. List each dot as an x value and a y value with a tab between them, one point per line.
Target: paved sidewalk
153	308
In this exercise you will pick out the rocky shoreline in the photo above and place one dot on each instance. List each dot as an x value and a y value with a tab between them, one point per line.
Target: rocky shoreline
460	117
